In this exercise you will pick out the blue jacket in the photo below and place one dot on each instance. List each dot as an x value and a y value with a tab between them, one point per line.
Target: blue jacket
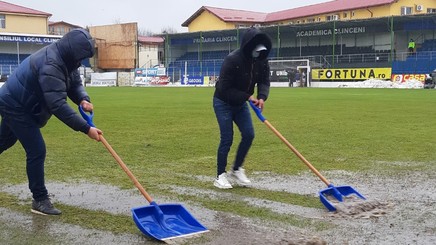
39	87
240	72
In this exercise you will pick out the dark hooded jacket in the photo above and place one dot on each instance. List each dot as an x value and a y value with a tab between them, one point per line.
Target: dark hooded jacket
39	87
240	72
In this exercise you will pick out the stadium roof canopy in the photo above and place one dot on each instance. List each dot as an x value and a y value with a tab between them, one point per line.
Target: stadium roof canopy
232	15
16	9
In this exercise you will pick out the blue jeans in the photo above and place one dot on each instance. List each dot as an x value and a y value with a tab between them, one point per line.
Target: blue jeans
29	135
226	115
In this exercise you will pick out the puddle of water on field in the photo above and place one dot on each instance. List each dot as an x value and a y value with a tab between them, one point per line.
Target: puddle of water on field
233	229
225	228
406	199
405	214
86	195
304	184
61	233
90	196
107	198
278	207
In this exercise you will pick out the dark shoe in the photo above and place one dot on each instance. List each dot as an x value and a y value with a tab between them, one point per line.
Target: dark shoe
44	207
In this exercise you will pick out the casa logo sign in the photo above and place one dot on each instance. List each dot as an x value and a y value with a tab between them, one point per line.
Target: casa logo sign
400	78
352	74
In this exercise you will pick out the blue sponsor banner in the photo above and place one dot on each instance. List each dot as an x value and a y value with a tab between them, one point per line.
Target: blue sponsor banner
150	72
28	39
181	41
193	80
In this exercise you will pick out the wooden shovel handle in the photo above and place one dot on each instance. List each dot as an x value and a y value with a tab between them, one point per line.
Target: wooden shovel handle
124	167
296	152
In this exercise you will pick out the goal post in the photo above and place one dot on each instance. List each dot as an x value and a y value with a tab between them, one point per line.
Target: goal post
290	71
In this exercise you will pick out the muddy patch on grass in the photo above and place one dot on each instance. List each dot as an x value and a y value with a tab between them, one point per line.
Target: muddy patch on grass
407	209
355	207
224	228
399	209
234	229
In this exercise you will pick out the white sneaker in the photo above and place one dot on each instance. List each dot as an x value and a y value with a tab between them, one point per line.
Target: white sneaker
240	177
222	182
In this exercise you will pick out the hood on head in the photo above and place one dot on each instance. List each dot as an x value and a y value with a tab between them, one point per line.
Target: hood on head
74	47
254	39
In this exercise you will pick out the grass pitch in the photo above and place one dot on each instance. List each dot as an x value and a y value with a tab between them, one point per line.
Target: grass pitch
166	134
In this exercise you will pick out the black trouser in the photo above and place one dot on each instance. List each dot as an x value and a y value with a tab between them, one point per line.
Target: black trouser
29	135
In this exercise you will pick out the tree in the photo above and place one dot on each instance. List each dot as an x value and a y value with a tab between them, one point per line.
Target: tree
168	30
145	32
116	21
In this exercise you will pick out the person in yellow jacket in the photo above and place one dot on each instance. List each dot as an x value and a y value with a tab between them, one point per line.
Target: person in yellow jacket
411	46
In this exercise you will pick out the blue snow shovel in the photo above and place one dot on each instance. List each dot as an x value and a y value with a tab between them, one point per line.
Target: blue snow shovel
337	192
162	222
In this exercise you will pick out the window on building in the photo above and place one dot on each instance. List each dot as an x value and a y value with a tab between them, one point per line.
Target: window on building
61	30
406	10
352	14
332	17
311	20
345	15
2	21
429	10
242	26
160	56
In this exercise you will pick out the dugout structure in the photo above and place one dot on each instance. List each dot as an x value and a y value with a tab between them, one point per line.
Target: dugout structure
291	71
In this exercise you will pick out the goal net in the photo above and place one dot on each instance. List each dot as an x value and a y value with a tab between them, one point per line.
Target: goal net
292	73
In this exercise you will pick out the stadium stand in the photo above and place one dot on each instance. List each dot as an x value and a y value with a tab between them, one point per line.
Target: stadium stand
423	61
8	62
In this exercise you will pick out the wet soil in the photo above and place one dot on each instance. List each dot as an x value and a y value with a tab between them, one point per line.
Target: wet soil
398	209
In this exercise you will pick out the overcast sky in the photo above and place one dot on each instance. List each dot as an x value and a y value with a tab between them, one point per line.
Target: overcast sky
153	16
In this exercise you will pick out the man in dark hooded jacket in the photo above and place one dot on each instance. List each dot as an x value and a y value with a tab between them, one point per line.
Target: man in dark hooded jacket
241	71
38	89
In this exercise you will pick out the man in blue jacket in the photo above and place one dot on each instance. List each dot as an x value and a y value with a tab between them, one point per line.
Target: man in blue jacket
242	70
38	89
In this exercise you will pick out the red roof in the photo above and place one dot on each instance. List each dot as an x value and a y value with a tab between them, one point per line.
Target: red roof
324	8
51	23
232	15
153	40
229	15
12	8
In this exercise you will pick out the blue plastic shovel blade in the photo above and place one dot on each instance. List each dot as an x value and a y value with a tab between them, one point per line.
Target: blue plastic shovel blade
337	192
166	221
